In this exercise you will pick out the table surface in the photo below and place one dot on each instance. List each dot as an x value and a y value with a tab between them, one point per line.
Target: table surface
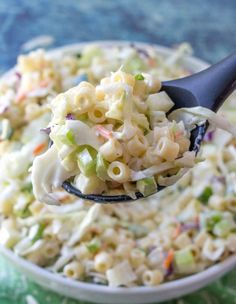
209	25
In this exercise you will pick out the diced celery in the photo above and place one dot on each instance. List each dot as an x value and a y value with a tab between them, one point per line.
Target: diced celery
138	230
69	162
91	150
36	232
21	206
89	185
184	261
223	228
93	246
86	162
211	220
134	64
147	186
6	130
101	168
139	77
205	195
27	188
83	117
8	237
70	137
88	55
64	136
23	213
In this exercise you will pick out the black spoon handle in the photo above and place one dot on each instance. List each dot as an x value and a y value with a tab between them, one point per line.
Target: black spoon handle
208	88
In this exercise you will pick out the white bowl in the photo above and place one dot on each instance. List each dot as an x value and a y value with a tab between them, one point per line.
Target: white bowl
134	295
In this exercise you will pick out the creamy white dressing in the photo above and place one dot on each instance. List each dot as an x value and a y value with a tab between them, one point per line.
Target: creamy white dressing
48	174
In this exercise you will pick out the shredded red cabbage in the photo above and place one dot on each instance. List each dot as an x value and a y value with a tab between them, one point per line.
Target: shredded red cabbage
70	116
220	179
209	136
140	51
18	75
189	226
170	270
46	130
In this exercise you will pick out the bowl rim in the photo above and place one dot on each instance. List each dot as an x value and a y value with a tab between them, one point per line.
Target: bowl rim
205	275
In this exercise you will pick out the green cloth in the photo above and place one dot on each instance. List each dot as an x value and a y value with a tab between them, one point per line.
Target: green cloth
15	287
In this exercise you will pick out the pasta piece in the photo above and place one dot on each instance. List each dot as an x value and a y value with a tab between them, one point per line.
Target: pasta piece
100	94
82	252
51	249
137	257
36	207
110	236
84	98
182	241
152	278
167	149
213	249
157	117
74	270
123	251
201	238
120	76
155	258
103	261
153	83
111	150
184	144
137	146
231	242
140	88
119	172
97	114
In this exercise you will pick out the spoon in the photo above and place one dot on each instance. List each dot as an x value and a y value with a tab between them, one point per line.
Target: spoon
208	88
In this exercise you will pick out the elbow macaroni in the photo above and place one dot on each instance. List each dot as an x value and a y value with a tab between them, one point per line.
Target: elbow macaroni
103	261
73	270
118	172
167	149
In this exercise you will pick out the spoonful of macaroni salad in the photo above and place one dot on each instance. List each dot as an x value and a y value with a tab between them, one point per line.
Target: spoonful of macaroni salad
130	135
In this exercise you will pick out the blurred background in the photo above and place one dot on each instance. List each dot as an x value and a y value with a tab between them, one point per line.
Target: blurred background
209	26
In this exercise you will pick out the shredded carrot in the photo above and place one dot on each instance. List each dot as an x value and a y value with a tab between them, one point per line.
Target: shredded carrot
197	221
44	83
178	134
103	132
152	62
39	148
20	97
169	259
177	231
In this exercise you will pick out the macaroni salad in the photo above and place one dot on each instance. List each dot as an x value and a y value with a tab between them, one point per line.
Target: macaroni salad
182	230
